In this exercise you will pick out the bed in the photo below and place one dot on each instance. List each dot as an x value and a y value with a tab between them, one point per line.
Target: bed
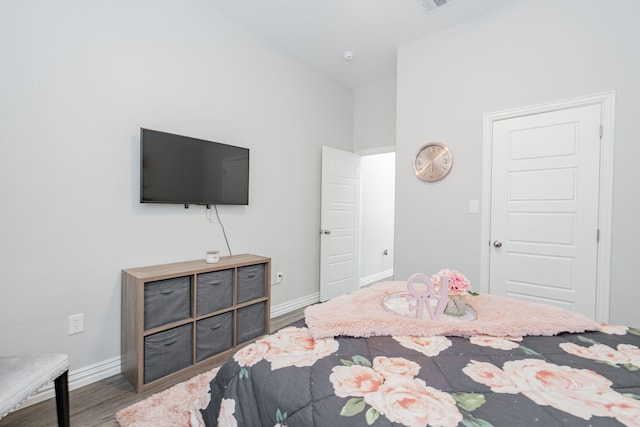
354	362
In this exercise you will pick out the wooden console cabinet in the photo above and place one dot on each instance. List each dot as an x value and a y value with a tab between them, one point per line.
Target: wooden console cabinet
179	316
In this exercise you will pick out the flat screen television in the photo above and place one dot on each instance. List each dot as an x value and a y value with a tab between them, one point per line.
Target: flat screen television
184	170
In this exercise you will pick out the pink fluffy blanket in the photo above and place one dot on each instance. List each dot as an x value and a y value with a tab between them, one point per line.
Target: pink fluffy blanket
362	314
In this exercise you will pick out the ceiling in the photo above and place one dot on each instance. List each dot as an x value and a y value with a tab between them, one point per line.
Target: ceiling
320	31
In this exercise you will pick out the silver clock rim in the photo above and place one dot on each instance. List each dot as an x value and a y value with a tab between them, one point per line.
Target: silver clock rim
419	172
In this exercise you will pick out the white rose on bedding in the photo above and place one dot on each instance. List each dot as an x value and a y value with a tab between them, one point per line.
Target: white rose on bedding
392	366
195	416
495	342
225	417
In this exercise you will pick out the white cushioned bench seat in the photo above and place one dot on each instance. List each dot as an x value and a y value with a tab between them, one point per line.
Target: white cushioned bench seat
23	375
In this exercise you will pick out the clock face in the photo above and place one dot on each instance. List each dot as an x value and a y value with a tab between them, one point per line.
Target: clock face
433	161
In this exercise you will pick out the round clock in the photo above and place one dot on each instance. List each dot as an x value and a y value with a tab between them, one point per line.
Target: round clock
433	161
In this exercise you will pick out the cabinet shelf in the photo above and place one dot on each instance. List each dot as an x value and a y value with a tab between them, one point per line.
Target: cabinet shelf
179	316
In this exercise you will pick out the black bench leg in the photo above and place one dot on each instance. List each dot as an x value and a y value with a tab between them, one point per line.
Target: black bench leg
62	399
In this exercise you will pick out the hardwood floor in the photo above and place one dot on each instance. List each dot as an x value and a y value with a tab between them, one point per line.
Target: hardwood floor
95	405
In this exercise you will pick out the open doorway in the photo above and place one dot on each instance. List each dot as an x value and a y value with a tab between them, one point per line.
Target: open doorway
377	173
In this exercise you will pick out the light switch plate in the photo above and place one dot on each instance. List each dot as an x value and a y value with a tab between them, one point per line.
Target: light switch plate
474	206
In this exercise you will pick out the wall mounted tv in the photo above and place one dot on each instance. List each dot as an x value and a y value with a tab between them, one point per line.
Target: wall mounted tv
183	170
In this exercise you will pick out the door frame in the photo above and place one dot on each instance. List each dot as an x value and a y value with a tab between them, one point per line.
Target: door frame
605	204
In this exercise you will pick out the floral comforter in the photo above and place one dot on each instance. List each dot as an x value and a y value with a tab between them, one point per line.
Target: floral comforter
290	379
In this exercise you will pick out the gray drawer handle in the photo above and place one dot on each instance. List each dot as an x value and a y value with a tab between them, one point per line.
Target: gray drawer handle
251	274
170	341
167	291
216	283
215	327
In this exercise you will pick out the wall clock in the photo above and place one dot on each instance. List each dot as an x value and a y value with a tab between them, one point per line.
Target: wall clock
433	161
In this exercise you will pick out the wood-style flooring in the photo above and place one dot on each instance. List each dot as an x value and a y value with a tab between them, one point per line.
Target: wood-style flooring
95	405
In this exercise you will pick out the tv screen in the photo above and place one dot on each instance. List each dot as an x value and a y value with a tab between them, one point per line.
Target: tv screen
183	170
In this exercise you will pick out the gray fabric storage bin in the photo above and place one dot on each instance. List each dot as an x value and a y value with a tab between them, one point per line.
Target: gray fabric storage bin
251	322
214	335
214	291
251	284
167	352
167	301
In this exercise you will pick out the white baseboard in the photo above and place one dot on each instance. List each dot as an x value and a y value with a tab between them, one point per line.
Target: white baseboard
383	275
286	307
78	378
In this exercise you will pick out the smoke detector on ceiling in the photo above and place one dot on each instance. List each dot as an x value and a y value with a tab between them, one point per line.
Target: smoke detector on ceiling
431	6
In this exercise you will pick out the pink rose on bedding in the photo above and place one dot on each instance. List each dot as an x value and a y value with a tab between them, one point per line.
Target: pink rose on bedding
627	411
293	346
411	402
429	346
388	386
225	417
580	392
354	380
289	346
613	329
290	338
195	416
626	354
392	366
539	374
495	342
251	354
491	376
631	352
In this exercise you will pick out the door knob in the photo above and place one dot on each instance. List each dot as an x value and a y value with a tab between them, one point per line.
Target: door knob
497	243
325	231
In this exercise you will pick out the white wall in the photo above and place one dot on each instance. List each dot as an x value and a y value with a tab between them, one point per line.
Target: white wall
377	217
79	78
374	117
527	53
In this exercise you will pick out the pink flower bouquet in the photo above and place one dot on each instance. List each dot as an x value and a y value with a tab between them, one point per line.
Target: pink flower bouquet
458	283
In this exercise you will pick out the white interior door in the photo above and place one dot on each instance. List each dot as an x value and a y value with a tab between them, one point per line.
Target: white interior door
339	223
544	208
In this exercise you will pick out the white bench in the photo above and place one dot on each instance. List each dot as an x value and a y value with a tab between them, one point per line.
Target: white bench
22	376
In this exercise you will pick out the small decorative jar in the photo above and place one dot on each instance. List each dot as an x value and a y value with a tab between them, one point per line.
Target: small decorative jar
213	257
456	305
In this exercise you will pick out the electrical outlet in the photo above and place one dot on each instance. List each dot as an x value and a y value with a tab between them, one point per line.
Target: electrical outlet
279	277
76	323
